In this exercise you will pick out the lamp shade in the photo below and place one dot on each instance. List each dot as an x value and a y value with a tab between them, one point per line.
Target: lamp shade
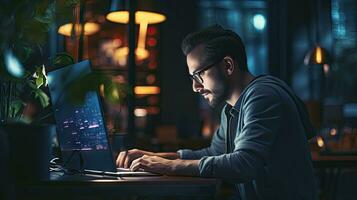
318	55
123	17
90	28
148	11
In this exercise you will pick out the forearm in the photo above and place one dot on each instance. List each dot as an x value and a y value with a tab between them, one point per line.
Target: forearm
240	166
185	167
167	155
176	167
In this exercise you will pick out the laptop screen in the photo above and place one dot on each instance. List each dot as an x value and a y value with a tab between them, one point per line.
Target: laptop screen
80	127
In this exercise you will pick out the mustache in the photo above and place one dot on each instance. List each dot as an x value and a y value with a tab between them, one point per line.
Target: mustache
203	91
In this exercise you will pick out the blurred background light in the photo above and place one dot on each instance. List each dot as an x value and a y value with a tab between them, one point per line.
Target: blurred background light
259	21
140	16
13	65
90	28
140	112
146	90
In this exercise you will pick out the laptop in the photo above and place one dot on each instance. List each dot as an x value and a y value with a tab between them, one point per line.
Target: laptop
81	129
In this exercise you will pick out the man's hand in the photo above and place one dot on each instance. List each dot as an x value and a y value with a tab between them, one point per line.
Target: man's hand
159	165
126	157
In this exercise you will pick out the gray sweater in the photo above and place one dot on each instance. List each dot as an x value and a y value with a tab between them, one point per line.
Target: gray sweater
261	144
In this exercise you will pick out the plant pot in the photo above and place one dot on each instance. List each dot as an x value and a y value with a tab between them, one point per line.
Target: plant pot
5	187
29	148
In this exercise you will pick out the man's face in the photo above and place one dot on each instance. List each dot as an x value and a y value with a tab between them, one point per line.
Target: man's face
213	85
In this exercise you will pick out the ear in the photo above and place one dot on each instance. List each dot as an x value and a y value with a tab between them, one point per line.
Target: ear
229	65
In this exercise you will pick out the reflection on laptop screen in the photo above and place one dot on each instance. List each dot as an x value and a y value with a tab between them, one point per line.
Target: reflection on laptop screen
81	128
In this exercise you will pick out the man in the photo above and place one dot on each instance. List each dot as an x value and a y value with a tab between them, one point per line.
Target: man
261	144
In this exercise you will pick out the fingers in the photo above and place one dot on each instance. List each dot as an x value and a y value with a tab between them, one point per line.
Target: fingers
128	160
139	163
121	158
135	165
125	158
152	164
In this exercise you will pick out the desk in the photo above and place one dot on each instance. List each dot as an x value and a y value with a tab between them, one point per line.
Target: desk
99	188
329	168
334	161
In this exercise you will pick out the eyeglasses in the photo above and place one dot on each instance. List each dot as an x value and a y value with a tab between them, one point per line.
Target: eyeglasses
196	76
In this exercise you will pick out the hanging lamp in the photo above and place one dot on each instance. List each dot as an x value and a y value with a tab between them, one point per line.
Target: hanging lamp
78	30
90	28
318	55
146	14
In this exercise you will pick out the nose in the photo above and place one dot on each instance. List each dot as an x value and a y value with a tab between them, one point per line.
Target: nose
196	86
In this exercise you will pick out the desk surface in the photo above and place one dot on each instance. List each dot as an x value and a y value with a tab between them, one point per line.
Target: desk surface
81	187
334	161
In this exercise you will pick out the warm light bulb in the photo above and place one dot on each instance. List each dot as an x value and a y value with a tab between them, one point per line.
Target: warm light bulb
140	53
140	112
144	90
318	57
320	142
333	132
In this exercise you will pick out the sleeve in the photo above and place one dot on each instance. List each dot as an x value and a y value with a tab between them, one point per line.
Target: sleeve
217	146
262	117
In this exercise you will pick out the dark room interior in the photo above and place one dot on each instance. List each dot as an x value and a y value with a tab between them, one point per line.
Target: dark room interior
89	87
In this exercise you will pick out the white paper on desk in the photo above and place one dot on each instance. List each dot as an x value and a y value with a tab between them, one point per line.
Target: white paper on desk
122	169
126	172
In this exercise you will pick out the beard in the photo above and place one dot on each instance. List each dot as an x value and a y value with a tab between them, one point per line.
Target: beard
219	93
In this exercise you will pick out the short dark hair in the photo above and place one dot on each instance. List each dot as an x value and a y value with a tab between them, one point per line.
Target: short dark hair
218	42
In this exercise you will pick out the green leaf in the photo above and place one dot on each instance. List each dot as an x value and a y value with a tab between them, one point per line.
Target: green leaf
40	76
42	97
15	107
31	84
63	59
36	32
71	2
46	16
115	92
39	82
26	53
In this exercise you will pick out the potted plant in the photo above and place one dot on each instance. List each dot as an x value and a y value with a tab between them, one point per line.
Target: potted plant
24	27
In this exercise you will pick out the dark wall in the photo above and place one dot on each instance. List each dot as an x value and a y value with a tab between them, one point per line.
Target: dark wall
178	102
282	25
292	33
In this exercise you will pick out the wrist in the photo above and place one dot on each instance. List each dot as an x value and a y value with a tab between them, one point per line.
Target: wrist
168	155
185	167
149	153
